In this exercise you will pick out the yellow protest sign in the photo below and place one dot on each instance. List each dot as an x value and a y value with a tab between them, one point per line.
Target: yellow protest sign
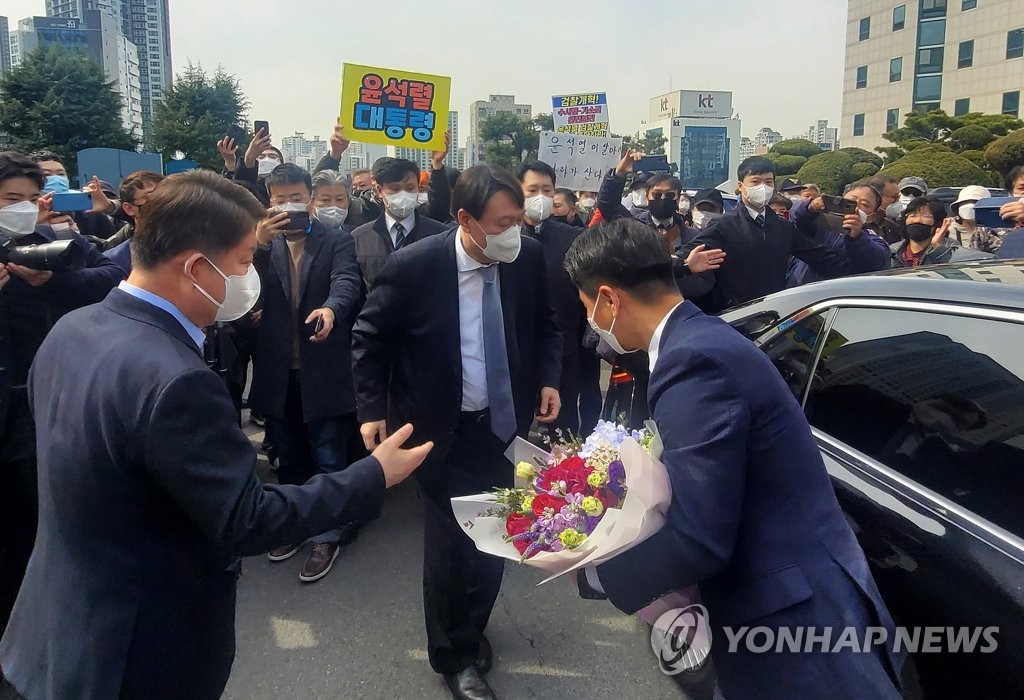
394	107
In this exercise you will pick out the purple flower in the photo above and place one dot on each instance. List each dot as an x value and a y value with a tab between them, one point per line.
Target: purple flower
616	478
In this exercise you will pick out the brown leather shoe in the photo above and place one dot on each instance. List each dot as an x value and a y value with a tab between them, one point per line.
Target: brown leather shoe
320	562
285	552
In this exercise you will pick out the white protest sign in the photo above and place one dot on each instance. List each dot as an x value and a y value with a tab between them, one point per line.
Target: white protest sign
580	162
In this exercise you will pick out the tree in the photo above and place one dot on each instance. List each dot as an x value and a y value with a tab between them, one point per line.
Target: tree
860	156
832	171
965	133
1003	154
507	138
940	167
786	165
60	100
796	147
196	112
651	143
972	137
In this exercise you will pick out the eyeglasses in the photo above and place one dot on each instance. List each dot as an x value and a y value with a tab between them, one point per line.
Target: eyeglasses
664	195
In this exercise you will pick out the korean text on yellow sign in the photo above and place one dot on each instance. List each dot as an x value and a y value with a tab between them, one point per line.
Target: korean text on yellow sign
394	107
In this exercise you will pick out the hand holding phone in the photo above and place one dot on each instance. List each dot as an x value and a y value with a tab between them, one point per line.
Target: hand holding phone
71	201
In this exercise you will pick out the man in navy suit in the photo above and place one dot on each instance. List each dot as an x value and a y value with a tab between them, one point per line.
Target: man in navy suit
458	336
147	494
753	519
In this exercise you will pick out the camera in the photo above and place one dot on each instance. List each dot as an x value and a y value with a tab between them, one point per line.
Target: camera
58	256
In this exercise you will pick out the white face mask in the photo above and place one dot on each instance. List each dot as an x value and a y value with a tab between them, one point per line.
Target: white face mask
758	195
423	198
587	205
290	206
863	216
894	211
241	292
266	165
905	199
332	216
401	205
17	220
502	247
701	218
608	336
538	208
966	211
684	206
639	198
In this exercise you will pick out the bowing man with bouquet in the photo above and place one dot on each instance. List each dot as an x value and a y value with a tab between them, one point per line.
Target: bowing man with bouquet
753	518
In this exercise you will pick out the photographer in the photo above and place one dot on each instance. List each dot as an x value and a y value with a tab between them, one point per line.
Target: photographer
34	296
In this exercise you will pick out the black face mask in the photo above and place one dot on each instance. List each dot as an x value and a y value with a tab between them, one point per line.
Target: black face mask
919	233
662	209
562	219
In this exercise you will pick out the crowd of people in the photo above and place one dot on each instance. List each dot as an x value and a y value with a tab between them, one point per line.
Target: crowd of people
357	303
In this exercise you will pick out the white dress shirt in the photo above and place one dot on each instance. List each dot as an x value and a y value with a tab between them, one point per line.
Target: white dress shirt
655	346
471	329
754	213
408	223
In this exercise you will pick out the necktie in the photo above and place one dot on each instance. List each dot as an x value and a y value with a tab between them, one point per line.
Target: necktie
499	384
399	236
759	221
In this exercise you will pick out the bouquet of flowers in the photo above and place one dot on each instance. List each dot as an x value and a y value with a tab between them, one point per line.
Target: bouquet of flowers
579	505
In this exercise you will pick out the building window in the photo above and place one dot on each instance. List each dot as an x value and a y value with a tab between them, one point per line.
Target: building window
962	107
1011	103
927	88
933	8
865	28
932	33
892	120
899	18
966	58
929	61
858	124
1015	43
969	4
862	77
896	70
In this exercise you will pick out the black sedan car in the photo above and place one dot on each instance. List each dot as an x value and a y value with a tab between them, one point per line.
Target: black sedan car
913	383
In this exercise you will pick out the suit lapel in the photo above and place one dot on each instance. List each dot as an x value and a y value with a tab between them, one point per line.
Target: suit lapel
450	300
314	241
381	227
279	258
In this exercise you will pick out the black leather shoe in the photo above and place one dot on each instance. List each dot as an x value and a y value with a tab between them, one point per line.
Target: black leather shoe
484	657
469	685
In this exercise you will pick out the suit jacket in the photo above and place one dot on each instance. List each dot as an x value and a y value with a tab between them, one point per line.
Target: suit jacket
753	519
328	277
758	259
406	344
147	496
555	239
374	246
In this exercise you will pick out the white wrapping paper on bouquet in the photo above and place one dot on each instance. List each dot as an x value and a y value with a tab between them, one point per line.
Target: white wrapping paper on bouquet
648	495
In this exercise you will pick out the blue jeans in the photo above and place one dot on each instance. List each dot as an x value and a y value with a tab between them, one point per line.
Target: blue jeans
305	449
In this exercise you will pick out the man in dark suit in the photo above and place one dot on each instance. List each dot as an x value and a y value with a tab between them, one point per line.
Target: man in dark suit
753	519
538	182
397	183
146	485
759	244
302	376
32	301
458	334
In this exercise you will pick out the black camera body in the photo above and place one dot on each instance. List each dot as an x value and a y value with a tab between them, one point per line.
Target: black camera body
57	256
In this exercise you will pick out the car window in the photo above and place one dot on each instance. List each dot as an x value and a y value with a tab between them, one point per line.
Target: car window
938	398
792	350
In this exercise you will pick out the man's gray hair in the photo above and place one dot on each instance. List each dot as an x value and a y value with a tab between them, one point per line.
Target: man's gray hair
326	178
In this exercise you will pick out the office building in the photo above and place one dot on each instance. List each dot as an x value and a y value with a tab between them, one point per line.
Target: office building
765	139
481	110
146	24
98	36
746	148
361	156
305	153
703	135
822	134
901	55
5	46
421	156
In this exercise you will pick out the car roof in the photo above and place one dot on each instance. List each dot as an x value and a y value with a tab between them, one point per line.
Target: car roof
992	283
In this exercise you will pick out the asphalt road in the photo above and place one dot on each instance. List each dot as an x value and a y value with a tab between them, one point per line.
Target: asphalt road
358	633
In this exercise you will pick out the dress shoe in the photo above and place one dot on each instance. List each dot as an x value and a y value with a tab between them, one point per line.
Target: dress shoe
285	552
484	657
320	562
469	685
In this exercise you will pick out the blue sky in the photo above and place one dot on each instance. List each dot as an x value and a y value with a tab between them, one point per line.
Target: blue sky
782	60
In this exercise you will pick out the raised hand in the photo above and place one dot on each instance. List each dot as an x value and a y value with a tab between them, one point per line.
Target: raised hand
339	144
397	463
701	260
226	147
625	166
437	157
260	142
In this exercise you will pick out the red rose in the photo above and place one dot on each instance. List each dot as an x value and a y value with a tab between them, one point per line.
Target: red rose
517	524
543	501
573	471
